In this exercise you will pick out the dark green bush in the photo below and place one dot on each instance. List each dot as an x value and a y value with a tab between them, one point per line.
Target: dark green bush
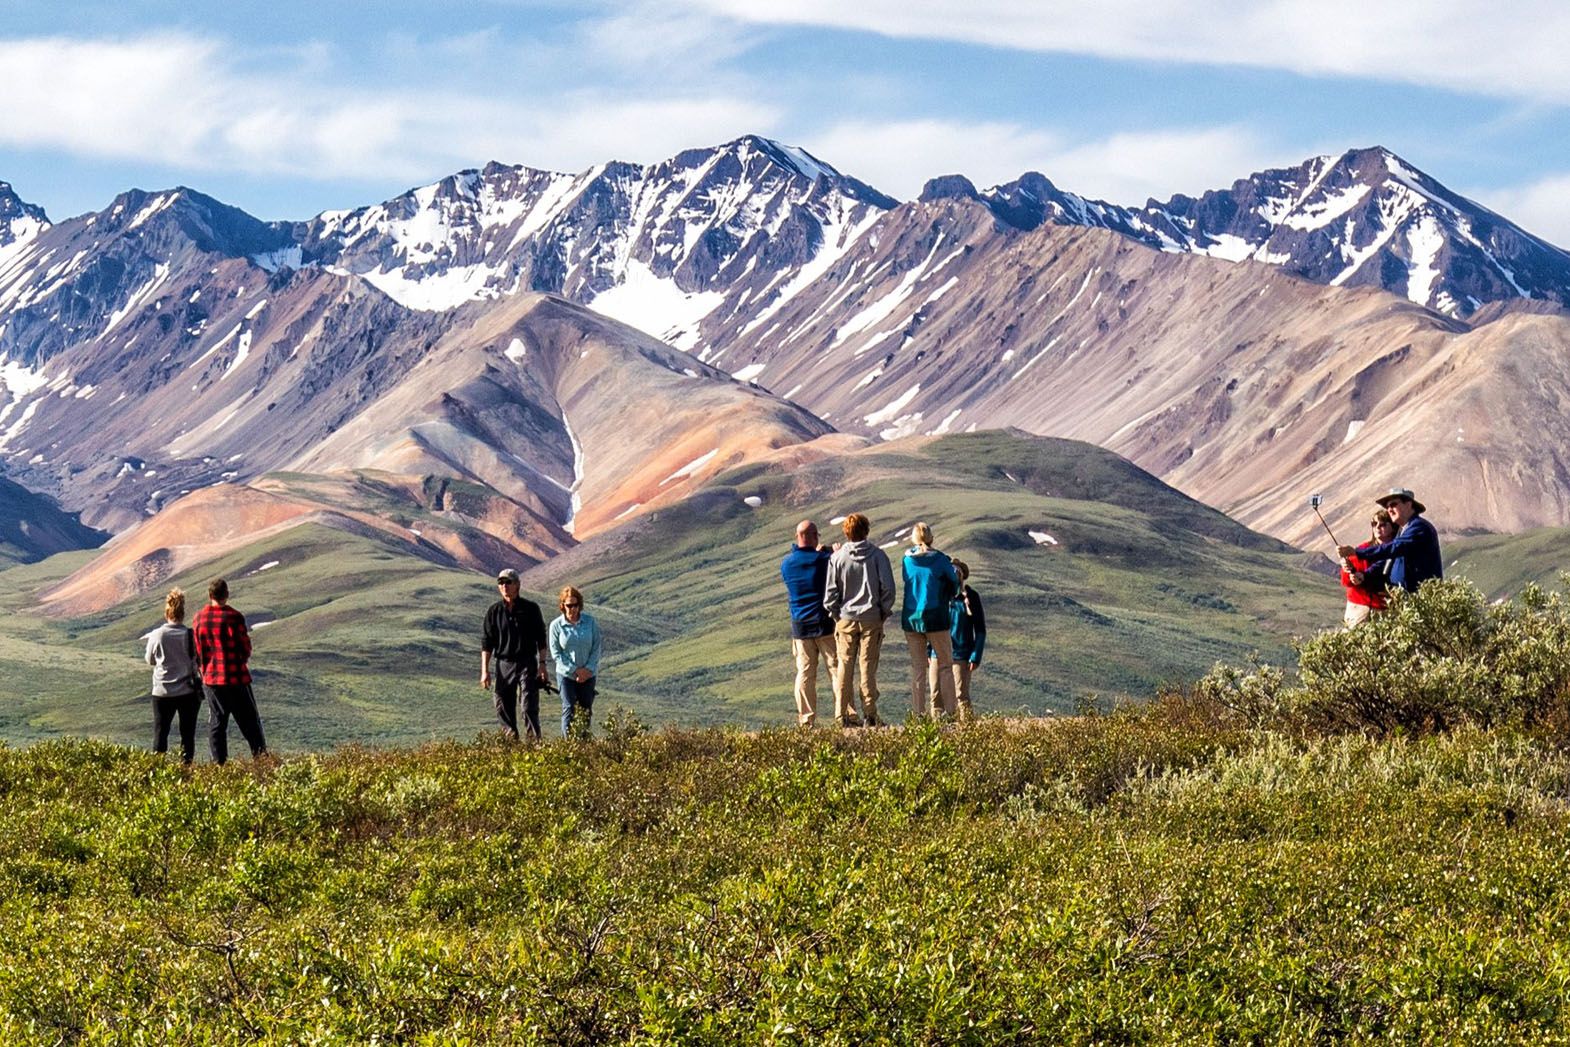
1437	659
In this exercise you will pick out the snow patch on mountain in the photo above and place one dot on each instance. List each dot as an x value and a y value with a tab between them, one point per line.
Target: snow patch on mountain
19	380
691	467
577	476
436	292
656	305
893	408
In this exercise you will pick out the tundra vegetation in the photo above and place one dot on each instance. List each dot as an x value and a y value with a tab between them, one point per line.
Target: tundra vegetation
1370	846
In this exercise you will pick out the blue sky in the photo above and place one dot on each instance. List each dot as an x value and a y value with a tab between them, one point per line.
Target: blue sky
287	109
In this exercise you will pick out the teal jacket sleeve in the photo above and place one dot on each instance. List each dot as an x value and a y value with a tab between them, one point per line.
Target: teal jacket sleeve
978	621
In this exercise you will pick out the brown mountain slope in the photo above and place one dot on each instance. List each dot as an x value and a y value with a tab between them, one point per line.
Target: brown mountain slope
496	437
1240	385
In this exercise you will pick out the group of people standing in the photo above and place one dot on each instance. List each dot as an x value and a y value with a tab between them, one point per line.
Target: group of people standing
518	653
210	660
1402	552
841	600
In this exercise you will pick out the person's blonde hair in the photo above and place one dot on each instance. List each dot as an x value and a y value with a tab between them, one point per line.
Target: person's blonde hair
921	534
568	593
174	605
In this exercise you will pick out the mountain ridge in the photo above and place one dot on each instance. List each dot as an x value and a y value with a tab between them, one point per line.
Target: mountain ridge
165	324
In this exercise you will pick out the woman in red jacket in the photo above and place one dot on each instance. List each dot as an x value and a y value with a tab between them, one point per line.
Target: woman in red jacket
1365	584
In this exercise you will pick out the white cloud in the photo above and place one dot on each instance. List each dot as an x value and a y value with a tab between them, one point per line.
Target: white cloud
1129	168
180	100
1542	208
1507	48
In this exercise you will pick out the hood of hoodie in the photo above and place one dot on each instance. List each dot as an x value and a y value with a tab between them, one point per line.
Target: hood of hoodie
926	559
861	550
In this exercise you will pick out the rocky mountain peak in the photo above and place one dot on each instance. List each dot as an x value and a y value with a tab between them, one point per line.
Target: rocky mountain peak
208	224
19	220
949	187
1369	218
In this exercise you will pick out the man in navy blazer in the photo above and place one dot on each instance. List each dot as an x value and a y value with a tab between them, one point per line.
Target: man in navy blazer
1414	551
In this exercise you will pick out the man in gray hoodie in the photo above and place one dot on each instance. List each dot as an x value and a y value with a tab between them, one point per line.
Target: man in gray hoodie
859	596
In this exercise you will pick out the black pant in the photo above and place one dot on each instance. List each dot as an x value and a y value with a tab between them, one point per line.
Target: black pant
164	709
236	699
510	678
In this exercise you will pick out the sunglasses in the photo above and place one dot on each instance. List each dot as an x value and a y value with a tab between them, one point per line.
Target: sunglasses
506	581
571	606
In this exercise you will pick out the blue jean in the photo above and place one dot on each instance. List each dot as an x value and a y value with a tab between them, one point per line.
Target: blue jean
575	695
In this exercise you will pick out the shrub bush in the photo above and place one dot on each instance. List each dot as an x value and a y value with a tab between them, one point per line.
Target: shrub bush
1437	659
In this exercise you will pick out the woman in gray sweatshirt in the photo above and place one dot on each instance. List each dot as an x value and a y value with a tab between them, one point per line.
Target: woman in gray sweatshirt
177	689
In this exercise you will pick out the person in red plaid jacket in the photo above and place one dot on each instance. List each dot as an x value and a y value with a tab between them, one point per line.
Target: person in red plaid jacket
223	645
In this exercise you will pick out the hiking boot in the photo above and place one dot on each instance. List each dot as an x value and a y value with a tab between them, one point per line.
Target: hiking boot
850	721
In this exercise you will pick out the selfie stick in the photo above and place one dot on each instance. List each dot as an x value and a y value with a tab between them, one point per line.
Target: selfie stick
1313	503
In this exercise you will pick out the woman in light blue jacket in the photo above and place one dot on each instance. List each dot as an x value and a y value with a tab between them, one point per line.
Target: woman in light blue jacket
575	648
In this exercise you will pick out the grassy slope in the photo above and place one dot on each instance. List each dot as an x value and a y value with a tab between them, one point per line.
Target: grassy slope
1145	587
372	646
1504	564
1151	877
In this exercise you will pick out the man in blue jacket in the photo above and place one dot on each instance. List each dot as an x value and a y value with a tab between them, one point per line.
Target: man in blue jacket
805	571
1414	551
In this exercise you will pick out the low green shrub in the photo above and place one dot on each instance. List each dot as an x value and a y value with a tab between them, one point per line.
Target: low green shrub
1439	658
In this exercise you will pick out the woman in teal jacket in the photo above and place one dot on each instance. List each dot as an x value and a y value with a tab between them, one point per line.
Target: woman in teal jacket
930	584
968	634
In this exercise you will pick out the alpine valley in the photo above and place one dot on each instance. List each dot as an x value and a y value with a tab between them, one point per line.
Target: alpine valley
556	371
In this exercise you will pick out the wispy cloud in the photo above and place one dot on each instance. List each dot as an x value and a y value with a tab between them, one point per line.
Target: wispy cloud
182	100
1125	168
1505	48
1539	207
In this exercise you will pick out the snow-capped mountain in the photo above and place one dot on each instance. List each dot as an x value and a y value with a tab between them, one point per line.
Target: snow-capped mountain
1364	219
173	339
657	246
146	354
80	280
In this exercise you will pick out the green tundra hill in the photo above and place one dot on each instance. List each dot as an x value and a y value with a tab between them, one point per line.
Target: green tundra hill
357	641
1138	586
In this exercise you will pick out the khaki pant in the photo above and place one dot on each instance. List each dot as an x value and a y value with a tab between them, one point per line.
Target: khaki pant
961	685
807	652
1356	614
858	645
920	696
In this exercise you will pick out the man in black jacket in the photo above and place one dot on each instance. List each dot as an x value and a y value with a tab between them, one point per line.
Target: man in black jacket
512	644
